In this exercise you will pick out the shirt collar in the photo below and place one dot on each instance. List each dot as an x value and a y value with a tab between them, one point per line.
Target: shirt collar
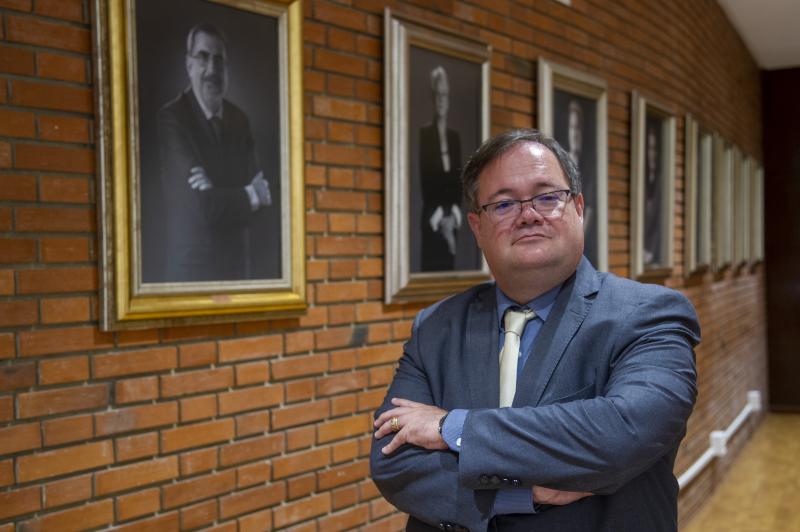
542	304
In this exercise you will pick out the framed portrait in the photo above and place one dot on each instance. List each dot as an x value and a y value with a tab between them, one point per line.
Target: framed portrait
723	204
741	207
573	110
200	152
652	187
757	214
437	114
699	160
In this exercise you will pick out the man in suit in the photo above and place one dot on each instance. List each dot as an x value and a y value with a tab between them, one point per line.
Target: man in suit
210	174
440	165
581	433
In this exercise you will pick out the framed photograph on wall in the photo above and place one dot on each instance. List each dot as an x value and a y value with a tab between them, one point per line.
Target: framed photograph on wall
573	110
757	214
723	203
699	159
200	152
652	187
741	207
437	114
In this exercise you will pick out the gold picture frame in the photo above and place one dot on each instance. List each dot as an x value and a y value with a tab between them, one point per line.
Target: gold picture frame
158	265
419	61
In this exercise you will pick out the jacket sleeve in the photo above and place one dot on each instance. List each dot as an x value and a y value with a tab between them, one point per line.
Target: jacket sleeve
418	481
599	444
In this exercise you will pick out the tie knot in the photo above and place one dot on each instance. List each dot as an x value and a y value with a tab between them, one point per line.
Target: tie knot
515	319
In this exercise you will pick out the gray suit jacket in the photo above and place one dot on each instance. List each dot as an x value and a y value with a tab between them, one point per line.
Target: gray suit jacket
601	406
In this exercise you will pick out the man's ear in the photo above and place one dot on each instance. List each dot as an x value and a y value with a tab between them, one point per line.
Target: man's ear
579	206
474	220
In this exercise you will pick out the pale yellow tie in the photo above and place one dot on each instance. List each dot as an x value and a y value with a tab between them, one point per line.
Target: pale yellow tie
514	322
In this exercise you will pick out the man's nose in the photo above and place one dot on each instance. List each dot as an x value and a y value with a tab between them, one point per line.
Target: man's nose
529	214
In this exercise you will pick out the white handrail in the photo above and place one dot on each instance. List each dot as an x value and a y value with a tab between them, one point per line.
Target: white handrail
719	439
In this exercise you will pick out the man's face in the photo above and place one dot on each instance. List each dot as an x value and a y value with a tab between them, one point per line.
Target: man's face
529	241
207	67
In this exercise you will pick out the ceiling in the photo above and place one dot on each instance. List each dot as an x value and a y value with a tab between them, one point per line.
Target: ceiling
770	28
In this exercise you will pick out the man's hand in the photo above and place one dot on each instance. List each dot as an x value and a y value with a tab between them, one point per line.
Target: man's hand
418	424
261	187
198	179
542	495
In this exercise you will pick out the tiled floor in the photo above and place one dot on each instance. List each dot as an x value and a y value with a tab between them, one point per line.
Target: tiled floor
761	493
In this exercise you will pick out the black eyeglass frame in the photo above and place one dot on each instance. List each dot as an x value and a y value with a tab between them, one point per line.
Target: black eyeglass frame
569	193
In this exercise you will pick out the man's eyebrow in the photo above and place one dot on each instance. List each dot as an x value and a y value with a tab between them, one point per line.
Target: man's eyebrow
509	192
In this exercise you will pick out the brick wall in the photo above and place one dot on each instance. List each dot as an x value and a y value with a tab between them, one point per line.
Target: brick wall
267	424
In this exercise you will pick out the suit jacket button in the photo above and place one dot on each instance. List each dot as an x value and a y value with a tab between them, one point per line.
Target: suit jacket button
484	479
515	482
495	480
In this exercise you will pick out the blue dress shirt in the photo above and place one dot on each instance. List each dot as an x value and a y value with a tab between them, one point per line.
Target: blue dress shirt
511	500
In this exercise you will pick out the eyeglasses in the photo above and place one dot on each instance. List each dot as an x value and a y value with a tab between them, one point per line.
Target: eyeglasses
204	58
549	205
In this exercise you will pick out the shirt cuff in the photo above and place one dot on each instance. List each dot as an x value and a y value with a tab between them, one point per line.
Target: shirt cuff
514	501
453	427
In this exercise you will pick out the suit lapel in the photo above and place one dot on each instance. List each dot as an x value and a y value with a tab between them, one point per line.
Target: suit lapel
482	367
570	309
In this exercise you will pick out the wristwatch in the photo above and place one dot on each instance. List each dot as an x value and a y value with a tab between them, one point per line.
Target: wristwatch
441	422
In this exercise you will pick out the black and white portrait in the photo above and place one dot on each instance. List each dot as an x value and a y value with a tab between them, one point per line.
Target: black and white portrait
209	116
445	124
652	254
574	127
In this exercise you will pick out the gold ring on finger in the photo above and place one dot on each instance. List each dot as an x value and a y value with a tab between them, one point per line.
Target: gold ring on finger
395	424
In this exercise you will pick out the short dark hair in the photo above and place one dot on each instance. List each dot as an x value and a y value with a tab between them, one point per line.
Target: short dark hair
493	148
208	29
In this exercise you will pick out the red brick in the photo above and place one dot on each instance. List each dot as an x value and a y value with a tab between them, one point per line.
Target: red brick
138	446
16	61
18	438
59	280
198	515
65	310
5	153
133	362
15	187
202	354
6	284
301	462
6	472
299	390
135	475
64	129
333	338
61	370
140	337
65	9
6	408
55	158
339	292
253	499
336	200
54	219
250	348
344	474
196	381
198	488
138	504
255	372
73	489
339	109
64	460
67	430
339	246
61	67
250	424
13	250
197	332
34	404
61	189
252	474
17	376
301	486
343	382
196	408
249	399
89	516
19	5
299	341
196	435
299	366
164	522
379	354
62	340
136	418
251	449
340	16
50	34
300	438
20	502
198	461
257	521
16	123
136	390
301	510
301	414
